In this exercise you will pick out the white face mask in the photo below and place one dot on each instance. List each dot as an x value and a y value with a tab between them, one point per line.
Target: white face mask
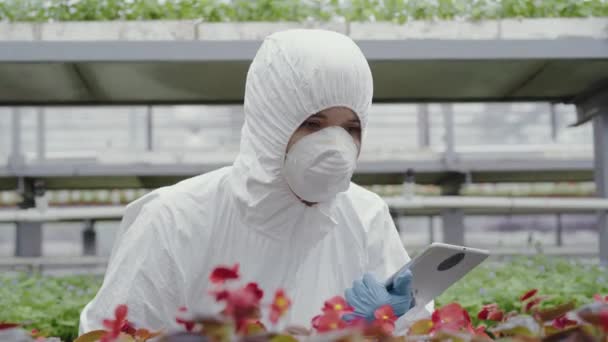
321	164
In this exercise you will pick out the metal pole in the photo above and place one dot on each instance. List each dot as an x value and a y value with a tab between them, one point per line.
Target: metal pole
16	159
41	138
453	226
28	237
149	129
453	219
89	238
431	229
424	127
600	134
560	230
16	129
554	123
133	136
448	122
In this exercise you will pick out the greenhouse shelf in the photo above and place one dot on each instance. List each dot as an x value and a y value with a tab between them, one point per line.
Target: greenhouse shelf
418	205
38	264
495	205
106	197
526	168
120	72
62	214
523	162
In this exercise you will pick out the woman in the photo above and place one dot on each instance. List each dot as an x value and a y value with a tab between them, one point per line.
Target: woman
285	211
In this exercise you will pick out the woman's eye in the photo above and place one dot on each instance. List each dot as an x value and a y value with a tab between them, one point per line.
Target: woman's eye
312	125
353	130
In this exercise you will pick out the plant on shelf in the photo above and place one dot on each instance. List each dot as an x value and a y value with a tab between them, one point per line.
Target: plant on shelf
398	11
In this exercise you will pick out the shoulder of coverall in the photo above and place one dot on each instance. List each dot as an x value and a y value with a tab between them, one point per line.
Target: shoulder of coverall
174	201
367	204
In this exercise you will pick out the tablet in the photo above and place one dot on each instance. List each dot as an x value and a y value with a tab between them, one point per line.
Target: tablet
437	268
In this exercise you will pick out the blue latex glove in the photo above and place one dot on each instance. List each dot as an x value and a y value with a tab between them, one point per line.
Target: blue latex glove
368	294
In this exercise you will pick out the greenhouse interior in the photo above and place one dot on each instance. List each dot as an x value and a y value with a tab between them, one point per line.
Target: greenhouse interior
140	199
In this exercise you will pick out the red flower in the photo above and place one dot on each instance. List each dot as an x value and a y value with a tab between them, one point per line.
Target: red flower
242	303
481	332
598	298
491	312
221	274
220	295
379	329
329	321
385	313
528	295
188	324
315	322
6	326
279	306
604	320
486	310
337	304
496	316
451	317
115	326
563	322
531	304
357	323
128	328
254	294
255	290
385	320
240	300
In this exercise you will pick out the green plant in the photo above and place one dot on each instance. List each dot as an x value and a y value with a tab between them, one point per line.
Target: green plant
294	10
53	304
562	280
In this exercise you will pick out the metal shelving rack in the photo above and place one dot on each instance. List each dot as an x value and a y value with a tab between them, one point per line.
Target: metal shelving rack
558	70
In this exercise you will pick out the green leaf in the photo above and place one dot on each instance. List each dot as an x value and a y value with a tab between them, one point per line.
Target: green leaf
92	336
67	323
283	338
518	326
294	10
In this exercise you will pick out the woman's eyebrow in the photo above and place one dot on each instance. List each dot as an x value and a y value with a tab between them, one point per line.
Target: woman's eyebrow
354	121
318	116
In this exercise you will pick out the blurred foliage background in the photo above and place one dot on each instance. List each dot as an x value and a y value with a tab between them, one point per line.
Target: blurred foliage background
295	10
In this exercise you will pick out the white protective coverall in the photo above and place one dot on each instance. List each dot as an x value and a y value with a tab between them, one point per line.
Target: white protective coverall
171	239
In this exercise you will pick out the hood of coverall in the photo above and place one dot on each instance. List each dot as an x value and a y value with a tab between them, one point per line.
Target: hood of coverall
295	74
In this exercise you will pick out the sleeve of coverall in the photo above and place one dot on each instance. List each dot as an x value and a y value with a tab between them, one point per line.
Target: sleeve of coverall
142	273
386	256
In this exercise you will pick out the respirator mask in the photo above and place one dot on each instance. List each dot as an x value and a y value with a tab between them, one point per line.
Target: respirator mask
321	165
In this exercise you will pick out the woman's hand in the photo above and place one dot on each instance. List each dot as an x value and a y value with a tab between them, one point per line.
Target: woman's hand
368	294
